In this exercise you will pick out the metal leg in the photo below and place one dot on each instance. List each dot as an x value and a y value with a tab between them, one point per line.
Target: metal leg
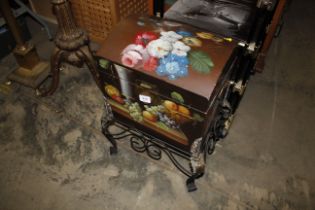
113	149
56	60
197	163
190	182
142	142
72	41
106	121
90	62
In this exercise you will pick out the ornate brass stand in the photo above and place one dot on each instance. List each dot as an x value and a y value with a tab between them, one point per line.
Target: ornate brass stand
31	71
71	45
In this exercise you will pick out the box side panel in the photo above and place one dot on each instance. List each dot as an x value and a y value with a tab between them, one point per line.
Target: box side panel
146	105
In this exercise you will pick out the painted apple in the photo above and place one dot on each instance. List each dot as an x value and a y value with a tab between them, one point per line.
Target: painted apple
111	91
183	110
149	116
118	99
182	115
170	105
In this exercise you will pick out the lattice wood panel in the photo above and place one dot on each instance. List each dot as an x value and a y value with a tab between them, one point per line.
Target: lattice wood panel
99	16
129	7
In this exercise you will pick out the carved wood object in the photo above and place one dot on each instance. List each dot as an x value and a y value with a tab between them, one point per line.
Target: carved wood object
71	45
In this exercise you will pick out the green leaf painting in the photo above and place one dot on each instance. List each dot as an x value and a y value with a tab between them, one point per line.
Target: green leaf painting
200	62
103	63
177	97
197	117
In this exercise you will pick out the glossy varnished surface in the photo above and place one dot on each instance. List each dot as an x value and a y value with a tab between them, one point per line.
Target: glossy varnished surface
201	84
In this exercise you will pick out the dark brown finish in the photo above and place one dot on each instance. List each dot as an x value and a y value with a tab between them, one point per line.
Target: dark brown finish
195	122
260	62
71	45
150	7
31	71
200	84
187	114
198	90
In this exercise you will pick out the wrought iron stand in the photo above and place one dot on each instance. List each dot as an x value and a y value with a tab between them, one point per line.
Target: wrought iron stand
142	142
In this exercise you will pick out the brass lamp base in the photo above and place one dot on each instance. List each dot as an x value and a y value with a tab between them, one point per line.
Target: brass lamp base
31	77
31	71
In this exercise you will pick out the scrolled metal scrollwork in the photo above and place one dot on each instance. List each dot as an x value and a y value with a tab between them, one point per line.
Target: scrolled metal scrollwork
137	144
197	158
153	151
107	114
191	164
142	143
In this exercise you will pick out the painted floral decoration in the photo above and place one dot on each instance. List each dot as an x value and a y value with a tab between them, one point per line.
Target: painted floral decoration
168	55
192	41
180	49
184	33
151	64
170	36
173	66
159	48
144	38
132	55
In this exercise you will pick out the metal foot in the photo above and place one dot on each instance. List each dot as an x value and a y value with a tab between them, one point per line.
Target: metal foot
113	150
110	137
190	184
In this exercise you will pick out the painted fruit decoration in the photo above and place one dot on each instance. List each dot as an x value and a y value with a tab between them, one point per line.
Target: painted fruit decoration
170	105
177	97
159	114
168	114
151	113
114	93
183	114
177	112
149	116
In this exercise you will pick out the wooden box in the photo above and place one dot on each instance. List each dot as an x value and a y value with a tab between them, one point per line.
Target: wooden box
175	93
177	85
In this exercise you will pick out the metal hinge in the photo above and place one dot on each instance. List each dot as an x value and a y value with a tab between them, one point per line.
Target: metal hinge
239	87
251	47
242	44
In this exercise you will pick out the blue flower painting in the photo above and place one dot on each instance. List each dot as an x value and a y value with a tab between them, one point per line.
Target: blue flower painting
173	66
168	55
